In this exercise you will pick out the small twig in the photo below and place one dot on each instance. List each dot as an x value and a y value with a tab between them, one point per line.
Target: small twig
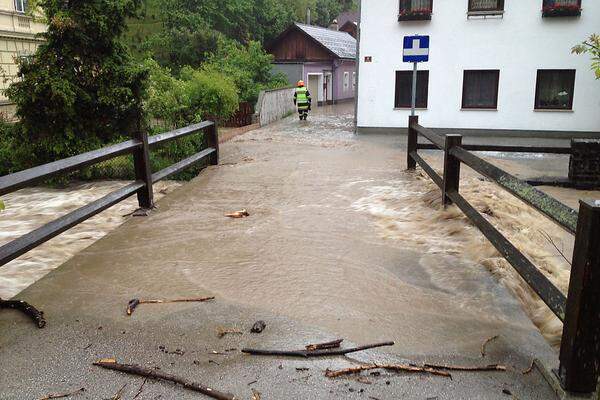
334	344
63	395
25	308
221	332
389	367
549	239
315	353
238	214
492	367
117	395
530	369
485	343
159	375
140	389
255	394
133	303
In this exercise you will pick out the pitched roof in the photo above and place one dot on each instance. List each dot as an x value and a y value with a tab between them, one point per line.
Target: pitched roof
341	44
347	16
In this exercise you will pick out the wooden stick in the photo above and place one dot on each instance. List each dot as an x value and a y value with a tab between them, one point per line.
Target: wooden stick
63	395
389	367
491	367
25	308
485	343
133	303
315	353
159	375
530	369
334	344
140	389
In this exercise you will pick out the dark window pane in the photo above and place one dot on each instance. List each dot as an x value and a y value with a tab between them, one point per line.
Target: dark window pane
555	89
416	5
404	89
480	89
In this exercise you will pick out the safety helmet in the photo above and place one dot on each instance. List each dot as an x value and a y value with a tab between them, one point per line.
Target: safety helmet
300	83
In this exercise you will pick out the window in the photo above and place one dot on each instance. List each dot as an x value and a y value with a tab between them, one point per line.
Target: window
346	81
404	89
21	5
480	89
411	10
486	6
554	89
354	81
561	8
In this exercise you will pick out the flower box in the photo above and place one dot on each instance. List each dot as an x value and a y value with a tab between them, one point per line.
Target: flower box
423	14
561	10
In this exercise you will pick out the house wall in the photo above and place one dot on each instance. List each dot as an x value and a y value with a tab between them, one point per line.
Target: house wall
344	93
296	46
293	71
517	44
317	68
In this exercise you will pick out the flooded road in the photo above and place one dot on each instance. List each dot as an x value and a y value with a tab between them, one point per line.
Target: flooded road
340	242
30	208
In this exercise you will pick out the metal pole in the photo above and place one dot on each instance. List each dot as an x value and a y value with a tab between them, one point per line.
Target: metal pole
414	90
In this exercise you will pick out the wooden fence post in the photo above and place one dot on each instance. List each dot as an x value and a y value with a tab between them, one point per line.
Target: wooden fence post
451	168
580	346
412	141
143	171
212	139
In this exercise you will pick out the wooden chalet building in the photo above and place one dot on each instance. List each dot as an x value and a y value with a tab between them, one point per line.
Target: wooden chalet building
323	58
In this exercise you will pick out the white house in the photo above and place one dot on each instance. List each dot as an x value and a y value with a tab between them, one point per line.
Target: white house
494	64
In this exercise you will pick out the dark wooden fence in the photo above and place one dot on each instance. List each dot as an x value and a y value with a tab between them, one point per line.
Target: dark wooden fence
139	146
242	117
580	310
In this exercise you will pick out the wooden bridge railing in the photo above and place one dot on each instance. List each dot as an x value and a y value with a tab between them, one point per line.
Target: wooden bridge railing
580	310
140	148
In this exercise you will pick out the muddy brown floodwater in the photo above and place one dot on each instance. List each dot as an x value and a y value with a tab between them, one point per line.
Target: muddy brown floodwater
30	208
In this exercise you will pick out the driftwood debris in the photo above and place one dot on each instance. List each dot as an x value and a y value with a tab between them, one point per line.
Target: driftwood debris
27	309
334	344
485	343
389	367
491	367
159	375
62	395
222	332
315	353
530	369
238	214
133	303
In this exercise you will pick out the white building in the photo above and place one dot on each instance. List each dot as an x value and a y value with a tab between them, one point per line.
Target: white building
494	64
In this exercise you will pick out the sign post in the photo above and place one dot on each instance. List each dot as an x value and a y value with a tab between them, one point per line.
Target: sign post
416	50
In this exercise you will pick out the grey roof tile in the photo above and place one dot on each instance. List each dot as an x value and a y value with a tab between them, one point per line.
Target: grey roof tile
339	43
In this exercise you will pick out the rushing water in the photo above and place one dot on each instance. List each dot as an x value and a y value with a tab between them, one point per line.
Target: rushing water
30	208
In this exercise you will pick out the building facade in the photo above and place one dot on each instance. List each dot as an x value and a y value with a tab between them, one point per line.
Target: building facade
324	59
17	39
494	65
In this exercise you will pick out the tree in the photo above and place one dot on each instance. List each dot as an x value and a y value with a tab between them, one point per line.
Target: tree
591	46
81	89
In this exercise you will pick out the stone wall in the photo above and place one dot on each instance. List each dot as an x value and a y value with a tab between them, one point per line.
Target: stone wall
584	166
274	104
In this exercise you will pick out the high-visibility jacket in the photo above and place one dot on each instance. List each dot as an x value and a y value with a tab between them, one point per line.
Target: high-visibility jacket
302	98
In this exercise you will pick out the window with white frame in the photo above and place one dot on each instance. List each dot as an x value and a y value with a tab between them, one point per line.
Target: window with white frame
346	81
21	5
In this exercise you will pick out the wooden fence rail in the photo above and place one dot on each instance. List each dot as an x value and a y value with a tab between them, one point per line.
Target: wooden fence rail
580	310
140	148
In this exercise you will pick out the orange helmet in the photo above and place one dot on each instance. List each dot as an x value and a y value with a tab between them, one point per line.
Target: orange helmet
300	83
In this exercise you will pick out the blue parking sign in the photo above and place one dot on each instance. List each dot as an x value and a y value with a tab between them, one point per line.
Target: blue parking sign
416	49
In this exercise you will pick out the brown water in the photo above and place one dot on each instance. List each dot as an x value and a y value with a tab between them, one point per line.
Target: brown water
30	208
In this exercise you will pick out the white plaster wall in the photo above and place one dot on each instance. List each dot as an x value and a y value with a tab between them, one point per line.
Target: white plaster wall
518	45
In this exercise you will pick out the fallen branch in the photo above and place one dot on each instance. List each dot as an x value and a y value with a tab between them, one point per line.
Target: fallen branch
334	344
485	343
491	367
139	392
315	353
25	308
63	395
221	332
159	375
389	367
238	214
530	369
133	303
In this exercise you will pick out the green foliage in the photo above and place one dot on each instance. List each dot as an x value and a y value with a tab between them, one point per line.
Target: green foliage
249	67
2	206
592	47
195	95
81	88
